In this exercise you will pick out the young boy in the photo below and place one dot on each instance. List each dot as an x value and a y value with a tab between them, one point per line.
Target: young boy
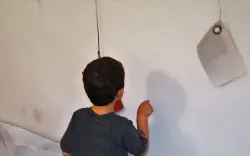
98	131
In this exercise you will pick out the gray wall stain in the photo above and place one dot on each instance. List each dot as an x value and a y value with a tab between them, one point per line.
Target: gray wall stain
169	102
38	115
23	109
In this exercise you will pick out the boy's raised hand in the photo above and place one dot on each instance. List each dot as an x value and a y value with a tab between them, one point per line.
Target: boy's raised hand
145	109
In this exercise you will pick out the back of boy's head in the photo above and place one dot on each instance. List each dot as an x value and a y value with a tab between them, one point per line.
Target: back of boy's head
102	79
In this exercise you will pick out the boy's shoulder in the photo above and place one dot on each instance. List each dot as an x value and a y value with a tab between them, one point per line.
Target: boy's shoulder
115	118
122	119
120	123
81	110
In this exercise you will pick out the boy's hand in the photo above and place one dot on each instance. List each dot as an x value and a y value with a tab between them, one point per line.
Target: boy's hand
145	109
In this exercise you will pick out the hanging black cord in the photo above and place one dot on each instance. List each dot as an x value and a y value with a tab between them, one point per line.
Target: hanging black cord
220	9
97	28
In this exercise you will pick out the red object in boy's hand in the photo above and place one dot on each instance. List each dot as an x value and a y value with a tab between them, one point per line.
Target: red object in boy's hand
118	106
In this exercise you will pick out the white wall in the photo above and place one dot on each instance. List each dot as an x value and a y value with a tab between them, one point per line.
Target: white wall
45	51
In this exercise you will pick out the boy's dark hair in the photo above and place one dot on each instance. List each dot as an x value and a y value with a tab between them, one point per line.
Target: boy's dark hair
102	79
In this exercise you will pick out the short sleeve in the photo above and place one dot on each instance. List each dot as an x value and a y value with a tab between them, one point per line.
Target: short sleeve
133	140
66	141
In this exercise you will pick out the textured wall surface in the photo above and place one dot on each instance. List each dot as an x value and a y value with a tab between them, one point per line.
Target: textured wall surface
43	50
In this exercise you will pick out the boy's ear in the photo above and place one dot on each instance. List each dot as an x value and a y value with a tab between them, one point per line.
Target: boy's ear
120	93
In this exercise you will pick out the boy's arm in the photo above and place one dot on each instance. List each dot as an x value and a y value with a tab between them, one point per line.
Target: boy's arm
142	125
66	141
136	141
133	140
144	111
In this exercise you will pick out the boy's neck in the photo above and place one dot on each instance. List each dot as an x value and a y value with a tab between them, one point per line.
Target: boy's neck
101	110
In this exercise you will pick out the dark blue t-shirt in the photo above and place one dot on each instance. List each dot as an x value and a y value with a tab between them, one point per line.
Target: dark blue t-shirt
89	134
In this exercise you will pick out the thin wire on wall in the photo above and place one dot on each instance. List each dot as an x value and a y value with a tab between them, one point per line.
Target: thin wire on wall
220	10
97	27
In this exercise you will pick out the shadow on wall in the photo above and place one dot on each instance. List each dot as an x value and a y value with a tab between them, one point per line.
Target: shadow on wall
168	100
